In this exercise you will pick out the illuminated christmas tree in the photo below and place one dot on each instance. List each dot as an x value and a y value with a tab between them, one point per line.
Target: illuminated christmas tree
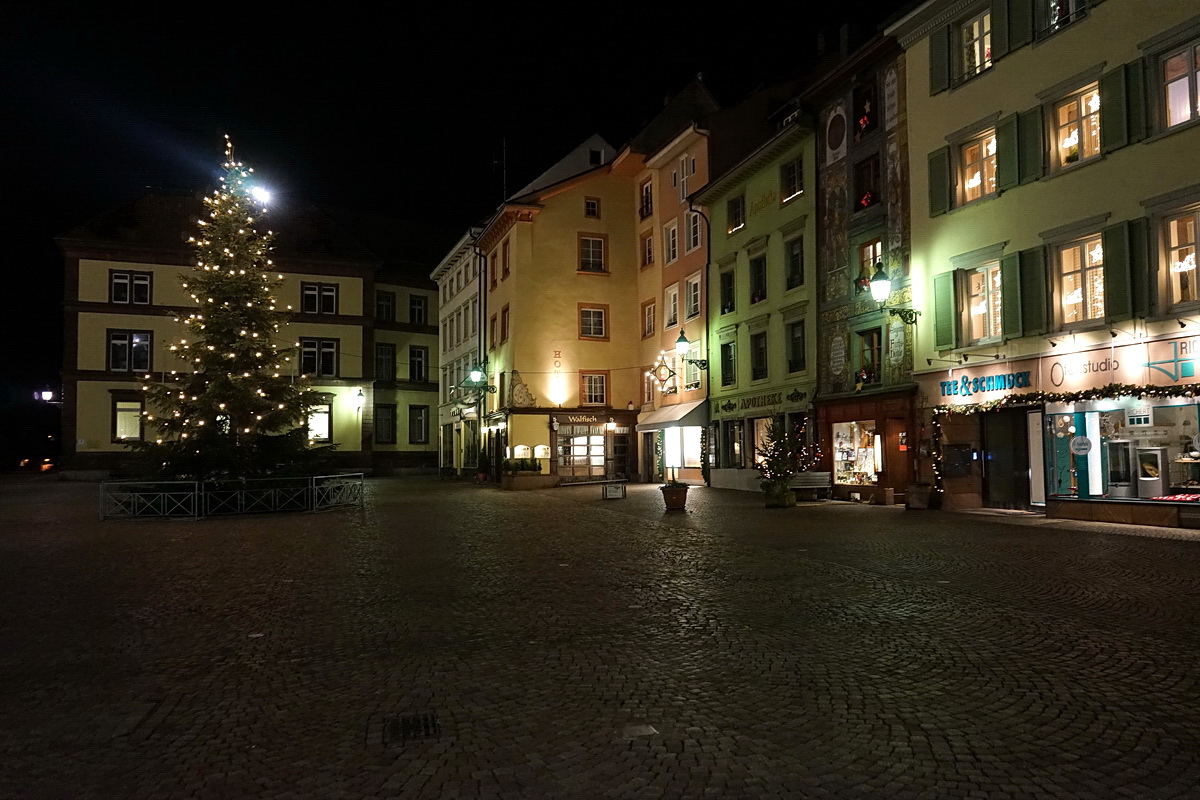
234	407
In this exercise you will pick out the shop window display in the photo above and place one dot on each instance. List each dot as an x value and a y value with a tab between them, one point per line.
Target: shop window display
857	453
1123	449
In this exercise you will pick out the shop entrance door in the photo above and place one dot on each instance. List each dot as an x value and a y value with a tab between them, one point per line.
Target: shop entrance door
650	464
1006	459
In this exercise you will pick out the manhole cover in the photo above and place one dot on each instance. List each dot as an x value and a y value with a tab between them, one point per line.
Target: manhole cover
401	728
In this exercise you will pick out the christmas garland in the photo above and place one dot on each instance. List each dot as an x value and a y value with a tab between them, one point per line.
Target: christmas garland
1107	392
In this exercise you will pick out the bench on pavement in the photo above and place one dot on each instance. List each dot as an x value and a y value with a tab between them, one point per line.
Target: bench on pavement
812	485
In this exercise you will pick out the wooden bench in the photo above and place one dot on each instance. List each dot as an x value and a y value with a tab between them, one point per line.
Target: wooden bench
812	485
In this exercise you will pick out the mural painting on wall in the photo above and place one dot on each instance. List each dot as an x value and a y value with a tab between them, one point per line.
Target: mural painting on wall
835	245
897	252
521	396
898	364
837	377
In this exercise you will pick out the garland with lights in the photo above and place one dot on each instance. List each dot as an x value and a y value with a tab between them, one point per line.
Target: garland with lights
235	409
1107	392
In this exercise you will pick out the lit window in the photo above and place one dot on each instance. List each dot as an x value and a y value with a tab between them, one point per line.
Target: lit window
1181	84
1054	15
127	420
1181	257
320	423
869	254
870	344
1081	280
1077	127
984	302
979	167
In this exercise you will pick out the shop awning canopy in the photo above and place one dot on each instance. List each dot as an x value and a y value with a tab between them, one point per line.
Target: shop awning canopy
681	415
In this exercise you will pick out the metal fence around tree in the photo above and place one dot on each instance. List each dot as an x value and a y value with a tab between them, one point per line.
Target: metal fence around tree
124	499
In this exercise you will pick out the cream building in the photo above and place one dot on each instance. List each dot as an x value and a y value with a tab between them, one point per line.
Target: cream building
123	272
460	291
1056	195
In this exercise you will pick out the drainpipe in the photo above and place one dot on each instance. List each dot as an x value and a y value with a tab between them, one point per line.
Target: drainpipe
707	347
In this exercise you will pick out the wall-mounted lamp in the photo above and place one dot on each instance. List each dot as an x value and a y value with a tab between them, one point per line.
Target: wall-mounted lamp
682	345
554	423
881	290
359	399
611	425
1112	333
967	356
929	361
1182	324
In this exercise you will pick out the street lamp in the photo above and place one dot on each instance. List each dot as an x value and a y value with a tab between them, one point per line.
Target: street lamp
682	345
881	290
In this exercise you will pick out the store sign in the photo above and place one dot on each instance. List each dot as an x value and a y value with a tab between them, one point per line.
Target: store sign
582	418
967	386
761	401
766	201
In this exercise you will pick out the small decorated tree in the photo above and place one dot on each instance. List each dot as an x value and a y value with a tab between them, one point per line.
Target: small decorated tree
236	407
783	453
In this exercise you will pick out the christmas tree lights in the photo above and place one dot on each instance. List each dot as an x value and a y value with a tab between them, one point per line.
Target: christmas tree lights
230	412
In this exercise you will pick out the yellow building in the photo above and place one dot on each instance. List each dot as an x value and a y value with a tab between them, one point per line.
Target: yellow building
1056	194
123	272
458	280
562	334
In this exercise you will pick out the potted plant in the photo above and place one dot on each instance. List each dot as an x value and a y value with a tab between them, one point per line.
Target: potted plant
674	495
781	456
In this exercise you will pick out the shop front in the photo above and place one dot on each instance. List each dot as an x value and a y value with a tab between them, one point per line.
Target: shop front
869	445
574	445
1109	433
739	430
672	442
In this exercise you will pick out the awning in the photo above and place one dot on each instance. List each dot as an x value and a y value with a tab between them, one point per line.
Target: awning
680	415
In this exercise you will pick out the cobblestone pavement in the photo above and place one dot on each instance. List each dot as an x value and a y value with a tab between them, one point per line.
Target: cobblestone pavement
575	647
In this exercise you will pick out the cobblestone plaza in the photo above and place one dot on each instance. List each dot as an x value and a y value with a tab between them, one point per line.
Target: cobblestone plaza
576	647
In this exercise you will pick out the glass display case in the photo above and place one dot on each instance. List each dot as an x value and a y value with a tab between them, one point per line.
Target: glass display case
857	453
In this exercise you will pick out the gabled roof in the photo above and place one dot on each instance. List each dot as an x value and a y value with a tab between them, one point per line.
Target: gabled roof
576	162
692	105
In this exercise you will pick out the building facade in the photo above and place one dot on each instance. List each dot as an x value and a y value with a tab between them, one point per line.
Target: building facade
866	390
123	291
562	334
1056	201
761	309
460	290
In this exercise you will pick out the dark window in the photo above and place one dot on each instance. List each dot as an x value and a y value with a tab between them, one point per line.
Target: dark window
505	265
794	252
385	306
591	254
791	179
866	110
385	361
796	347
647	206
728	363
866	183
1054	15
385	424
869	354
318	357
418	363
591	207
129	287
129	351
596	157
318	298
758	356
418	424
727	298
735	210
418	309
758	279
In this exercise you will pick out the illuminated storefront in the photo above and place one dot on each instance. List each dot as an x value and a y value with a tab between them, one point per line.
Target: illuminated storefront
1109	433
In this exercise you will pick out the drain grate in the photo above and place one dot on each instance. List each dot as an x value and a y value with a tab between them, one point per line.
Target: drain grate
401	728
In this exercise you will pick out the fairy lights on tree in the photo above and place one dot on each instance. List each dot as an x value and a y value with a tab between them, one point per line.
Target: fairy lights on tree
234	407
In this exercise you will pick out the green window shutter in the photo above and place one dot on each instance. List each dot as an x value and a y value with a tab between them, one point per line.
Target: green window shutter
939	60
1020	23
1034	319
1031	148
1007	154
1010	296
945	312
1000	44
939	182
1135	99
1140	266
1118	294
1114	122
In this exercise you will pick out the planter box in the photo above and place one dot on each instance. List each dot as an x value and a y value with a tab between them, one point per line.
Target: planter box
525	481
675	497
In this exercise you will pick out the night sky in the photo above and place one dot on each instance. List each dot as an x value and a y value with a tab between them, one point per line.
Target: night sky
393	117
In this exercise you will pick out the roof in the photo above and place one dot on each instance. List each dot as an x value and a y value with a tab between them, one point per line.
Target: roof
692	105
576	162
